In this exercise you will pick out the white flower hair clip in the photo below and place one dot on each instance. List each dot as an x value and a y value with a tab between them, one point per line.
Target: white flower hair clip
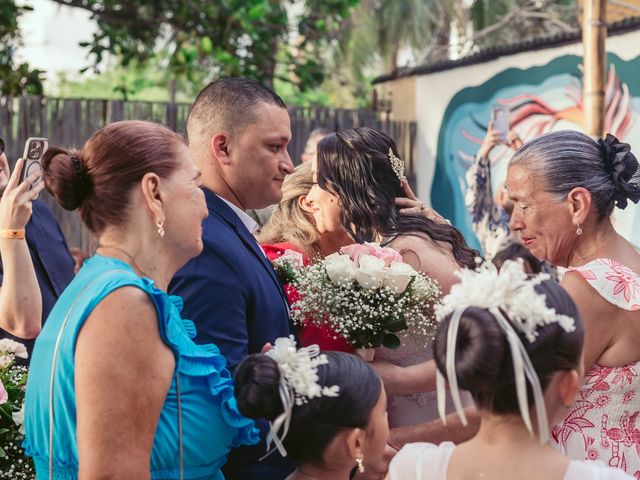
397	165
299	383
511	292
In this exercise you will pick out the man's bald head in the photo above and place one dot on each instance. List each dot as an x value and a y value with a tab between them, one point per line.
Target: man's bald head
227	105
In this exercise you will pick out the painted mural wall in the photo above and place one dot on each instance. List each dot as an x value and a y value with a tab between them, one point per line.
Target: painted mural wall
540	98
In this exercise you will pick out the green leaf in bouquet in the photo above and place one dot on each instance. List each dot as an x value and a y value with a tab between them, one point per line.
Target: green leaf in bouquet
3	454
391	341
363	339
377	339
397	324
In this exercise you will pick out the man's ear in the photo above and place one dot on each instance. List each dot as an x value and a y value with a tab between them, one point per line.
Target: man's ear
579	200
220	147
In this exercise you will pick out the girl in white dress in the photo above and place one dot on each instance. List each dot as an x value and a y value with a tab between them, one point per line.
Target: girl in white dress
514	342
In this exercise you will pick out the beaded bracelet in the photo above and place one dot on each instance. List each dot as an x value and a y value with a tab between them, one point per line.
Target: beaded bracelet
12	233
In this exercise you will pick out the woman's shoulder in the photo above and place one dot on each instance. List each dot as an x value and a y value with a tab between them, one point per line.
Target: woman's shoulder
582	470
615	282
421	461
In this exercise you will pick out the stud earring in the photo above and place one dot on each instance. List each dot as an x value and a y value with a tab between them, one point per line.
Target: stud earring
579	230
160	225
360	462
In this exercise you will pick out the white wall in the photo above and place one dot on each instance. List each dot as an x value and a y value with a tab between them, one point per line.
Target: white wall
434	92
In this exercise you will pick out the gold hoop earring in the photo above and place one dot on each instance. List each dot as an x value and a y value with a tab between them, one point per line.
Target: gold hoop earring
579	230
360	462
160	225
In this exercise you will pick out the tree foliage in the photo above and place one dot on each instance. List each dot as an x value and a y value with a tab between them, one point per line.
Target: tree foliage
260	39
14	79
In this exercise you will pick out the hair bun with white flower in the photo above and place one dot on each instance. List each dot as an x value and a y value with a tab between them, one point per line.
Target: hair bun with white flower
510	299
271	385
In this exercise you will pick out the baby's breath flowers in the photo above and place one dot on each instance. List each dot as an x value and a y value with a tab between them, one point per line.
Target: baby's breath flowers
366	299
14	464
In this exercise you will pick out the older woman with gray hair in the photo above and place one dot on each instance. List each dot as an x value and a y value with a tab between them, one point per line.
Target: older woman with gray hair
565	187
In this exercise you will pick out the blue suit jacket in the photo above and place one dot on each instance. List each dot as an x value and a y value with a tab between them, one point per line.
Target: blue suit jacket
235	298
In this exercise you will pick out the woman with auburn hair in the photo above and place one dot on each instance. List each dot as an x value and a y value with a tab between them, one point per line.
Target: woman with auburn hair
292	227
117	389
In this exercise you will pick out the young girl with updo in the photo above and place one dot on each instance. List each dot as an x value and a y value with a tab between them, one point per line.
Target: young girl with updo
515	343
327	411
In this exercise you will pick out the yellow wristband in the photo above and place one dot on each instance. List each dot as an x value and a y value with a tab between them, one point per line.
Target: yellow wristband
11	233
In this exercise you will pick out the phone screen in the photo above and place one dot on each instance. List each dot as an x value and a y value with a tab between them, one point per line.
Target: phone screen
500	119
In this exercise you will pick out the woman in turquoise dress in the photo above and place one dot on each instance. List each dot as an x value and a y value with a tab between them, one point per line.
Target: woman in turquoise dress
117	388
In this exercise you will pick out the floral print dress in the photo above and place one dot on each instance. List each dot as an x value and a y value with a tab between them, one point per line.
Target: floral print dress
603	423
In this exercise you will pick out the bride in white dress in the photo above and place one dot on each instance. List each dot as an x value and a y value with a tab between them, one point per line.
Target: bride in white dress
492	326
357	177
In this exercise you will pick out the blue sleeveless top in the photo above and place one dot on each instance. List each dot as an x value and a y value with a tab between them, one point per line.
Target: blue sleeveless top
211	422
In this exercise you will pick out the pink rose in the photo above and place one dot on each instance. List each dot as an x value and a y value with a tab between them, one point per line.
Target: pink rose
4	396
389	255
357	250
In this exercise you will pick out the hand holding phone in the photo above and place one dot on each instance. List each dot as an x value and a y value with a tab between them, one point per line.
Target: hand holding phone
500	121
34	149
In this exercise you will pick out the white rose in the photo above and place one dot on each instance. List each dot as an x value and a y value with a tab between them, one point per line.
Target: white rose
371	272
6	360
340	268
398	276
9	346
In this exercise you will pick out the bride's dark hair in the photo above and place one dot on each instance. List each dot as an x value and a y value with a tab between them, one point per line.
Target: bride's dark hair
354	165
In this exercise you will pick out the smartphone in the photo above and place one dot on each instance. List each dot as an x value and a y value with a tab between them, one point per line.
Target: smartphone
501	121
34	149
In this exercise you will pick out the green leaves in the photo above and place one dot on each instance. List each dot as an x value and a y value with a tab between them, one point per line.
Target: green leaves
252	38
391	341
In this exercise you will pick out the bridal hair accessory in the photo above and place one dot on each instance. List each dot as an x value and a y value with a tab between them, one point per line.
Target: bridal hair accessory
298	384
505	293
397	165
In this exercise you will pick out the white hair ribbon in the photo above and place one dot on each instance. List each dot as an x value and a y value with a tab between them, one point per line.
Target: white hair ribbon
522	369
298	384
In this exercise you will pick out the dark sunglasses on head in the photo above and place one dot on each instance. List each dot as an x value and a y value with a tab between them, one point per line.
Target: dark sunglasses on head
1	146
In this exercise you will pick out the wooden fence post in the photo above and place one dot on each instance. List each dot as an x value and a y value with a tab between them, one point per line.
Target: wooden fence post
594	35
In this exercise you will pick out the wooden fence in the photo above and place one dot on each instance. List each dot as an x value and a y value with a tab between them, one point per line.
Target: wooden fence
70	122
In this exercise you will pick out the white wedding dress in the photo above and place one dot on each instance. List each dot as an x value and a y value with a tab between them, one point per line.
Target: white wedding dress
421	407
426	461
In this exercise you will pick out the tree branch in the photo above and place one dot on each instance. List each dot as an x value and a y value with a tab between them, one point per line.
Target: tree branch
565	26
623	4
123	16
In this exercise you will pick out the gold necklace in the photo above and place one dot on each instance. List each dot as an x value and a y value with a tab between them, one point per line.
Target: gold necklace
596	247
125	253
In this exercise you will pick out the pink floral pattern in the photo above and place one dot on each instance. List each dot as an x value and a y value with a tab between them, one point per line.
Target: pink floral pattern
615	282
604	423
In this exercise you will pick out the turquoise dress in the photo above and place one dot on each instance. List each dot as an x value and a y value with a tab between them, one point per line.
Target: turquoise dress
211	423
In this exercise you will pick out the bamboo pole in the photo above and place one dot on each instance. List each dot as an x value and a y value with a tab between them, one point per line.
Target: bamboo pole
594	35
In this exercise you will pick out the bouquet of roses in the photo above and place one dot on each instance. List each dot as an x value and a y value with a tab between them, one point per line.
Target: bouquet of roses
367	294
14	464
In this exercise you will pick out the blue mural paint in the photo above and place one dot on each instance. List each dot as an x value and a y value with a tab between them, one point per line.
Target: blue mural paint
541	99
